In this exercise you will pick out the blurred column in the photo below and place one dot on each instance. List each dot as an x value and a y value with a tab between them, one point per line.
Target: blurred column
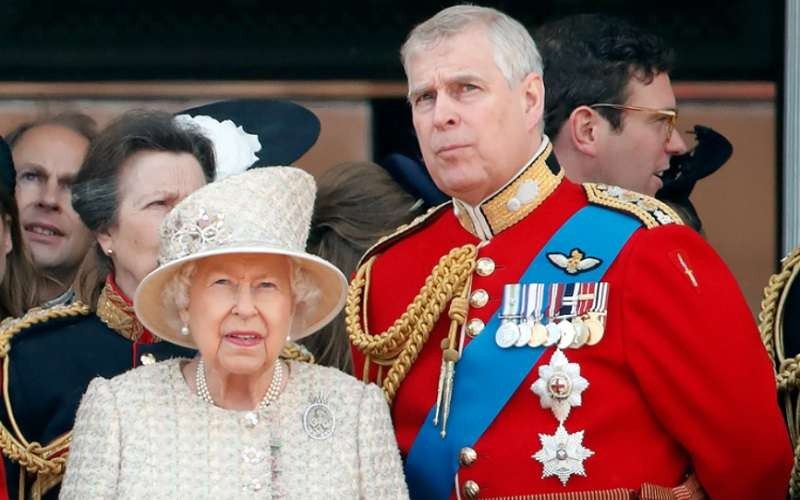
791	130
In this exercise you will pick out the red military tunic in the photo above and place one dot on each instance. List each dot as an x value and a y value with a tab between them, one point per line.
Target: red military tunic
680	382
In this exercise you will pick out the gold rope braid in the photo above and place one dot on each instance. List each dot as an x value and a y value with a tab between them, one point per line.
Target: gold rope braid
33	456
297	352
787	370
399	346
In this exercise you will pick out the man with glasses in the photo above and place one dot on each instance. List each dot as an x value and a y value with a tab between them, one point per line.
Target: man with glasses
609	108
540	337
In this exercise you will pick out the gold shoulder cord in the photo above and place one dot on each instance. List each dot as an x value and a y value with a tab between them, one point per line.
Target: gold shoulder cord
46	462
292	351
787	376
399	346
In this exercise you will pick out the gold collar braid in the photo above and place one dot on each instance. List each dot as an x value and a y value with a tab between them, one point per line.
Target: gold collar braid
399	346
117	314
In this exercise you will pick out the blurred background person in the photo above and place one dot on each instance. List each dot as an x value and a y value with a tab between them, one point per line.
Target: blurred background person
357	204
609	107
47	154
18	278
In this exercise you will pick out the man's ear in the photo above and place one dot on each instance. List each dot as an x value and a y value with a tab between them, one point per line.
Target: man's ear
583	127
533	97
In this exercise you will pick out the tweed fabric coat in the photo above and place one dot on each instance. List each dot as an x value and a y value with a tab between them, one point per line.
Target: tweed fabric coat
144	434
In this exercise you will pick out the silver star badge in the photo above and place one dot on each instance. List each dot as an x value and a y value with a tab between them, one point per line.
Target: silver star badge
560	385
562	454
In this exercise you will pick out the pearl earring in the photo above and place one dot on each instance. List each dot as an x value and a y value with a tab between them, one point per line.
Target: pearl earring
185	330
110	252
288	338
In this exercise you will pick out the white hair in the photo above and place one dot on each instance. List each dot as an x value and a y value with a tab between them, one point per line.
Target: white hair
305	293
515	52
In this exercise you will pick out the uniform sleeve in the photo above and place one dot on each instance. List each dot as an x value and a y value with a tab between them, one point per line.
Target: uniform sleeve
93	464
693	346
380	469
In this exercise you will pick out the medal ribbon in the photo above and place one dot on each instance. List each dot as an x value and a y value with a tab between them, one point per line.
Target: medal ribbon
535	294
586	300
488	375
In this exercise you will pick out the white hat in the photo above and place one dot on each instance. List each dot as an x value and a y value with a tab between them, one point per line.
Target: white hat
261	211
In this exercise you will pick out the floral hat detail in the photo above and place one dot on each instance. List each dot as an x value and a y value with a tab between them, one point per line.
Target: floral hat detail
249	133
261	211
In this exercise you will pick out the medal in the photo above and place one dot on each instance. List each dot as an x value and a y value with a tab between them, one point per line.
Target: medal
507	334
525	333
595	318
581	334
596	330
553	334
560	385
538	335
562	454
567	334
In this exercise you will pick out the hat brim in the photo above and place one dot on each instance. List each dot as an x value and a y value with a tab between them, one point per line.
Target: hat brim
160	318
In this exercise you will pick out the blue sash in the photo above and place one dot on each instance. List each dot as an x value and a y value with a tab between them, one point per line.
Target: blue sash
480	394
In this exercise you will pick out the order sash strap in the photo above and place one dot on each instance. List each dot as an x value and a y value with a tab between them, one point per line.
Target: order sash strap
479	393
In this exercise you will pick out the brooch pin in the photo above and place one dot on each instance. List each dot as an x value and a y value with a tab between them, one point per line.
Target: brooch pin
576	262
562	454
560	385
318	419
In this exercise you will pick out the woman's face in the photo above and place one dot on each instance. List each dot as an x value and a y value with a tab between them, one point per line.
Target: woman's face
240	311
151	183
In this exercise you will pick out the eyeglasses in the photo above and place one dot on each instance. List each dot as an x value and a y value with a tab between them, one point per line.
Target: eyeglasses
670	115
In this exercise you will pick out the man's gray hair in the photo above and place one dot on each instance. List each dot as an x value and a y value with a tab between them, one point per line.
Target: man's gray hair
515	52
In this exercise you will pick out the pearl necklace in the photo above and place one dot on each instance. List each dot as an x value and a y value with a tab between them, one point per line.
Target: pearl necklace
272	392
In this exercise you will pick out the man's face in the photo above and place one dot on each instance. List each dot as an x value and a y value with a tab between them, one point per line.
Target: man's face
46	159
634	156
475	130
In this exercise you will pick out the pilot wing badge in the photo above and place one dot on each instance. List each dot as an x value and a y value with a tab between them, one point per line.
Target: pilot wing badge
574	263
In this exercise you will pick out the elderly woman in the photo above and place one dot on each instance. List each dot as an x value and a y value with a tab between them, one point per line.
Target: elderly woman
236	421
134	172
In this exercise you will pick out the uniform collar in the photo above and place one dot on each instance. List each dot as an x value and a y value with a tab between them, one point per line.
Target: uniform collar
115	309
520	196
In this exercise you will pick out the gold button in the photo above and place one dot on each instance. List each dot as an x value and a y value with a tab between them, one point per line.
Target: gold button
474	327
467	456
484	266
479	298
471	489
147	359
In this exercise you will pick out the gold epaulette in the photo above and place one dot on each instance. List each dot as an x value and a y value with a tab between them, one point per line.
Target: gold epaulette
406	229
45	462
649	210
293	351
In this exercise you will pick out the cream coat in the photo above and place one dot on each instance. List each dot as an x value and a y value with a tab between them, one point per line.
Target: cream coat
145	435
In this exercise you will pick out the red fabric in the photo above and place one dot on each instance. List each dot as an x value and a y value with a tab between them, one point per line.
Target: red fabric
680	381
3	488
146	337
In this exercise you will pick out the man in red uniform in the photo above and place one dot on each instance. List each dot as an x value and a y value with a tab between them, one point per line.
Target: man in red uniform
536	336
